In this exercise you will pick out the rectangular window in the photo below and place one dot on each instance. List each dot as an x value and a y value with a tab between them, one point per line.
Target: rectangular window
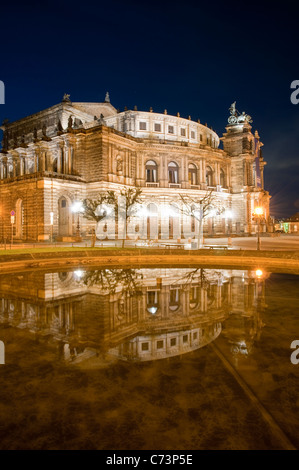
157	127
173	342
192	135
185	339
183	132
142	126
170	130
200	137
144	346
160	344
195	335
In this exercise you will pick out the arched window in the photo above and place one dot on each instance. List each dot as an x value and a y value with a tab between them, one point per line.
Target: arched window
174	299
194	297
152	303
64	217
152	209
173	172
209	176
151	172
192	174
222	178
55	165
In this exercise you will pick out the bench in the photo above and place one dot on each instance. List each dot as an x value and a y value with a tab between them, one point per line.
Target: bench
173	245
216	247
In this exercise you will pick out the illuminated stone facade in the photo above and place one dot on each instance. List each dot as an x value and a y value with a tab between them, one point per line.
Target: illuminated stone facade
72	151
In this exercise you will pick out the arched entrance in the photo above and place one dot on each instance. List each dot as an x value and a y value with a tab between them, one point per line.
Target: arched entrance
152	221
64	218
174	222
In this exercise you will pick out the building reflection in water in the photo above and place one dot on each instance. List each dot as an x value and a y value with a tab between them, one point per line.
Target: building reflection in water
135	315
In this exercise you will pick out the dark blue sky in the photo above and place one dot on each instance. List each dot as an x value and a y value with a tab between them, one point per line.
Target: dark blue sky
195	58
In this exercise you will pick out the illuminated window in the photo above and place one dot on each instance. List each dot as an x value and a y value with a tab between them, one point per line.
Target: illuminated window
194	296
185	339
174	299
173	342
209	176
183	132
152	303
142	126
192	135
170	130
173	172
157	127
222	178
160	344
192	174
144	347
151	170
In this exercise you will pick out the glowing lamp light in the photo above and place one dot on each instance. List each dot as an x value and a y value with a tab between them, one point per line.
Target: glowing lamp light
229	214
142	212
152	310
259	273
79	273
77	207
258	211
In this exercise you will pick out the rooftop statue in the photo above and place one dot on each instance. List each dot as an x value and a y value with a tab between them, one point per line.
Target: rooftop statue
236	117
66	98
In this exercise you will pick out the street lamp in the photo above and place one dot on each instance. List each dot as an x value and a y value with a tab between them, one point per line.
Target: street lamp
258	214
259	273
77	207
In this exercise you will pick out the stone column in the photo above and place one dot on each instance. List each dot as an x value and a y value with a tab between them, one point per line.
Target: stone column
21	166
217	173
66	160
35	162
70	160
228	176
203	174
43	163
163	172
59	162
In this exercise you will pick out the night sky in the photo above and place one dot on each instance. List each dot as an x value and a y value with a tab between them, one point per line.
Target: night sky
195	58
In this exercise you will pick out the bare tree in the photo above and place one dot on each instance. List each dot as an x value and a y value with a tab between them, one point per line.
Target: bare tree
125	204
92	208
109	280
200	208
126	207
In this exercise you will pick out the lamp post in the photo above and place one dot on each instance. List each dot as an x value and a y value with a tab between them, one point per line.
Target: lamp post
51	226
77	208
258	213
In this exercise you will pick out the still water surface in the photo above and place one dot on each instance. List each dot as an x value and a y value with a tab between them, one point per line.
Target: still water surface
157	359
